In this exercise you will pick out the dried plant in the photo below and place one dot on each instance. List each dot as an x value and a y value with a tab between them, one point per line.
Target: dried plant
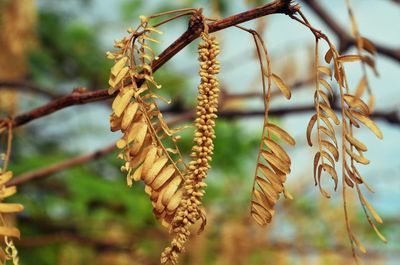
9	252
145	133
190	209
354	112
149	147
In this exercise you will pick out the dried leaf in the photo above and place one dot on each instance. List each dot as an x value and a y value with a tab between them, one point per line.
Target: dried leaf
277	150
9	231
356	143
371	209
362	85
325	70
118	66
276	161
328	56
332	149
331	114
369	123
11	207
356	103
282	86
368	45
310	127
282	134
327	86
349	58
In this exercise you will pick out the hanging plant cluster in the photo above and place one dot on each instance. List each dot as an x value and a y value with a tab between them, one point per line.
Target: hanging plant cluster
149	148
151	154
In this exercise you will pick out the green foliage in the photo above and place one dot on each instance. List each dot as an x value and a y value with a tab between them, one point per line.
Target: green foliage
68	50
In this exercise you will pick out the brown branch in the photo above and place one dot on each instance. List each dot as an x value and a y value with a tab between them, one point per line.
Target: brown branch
195	27
345	39
47	171
184	115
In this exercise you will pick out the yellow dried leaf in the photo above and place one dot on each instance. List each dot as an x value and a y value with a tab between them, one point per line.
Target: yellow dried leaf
11	207
162	178
325	70
121	76
175	201
118	66
349	58
129	115
281	85
371	102
317	157
5	177
276	161
368	45
271	177
369	123
262	199
271	194
154	170
356	143
138	173
282	134
329	133
332	149
331	114
262	211
121	102
310	126
329	157
355	102
362	85
371	209
6	192
149	160
328	56
277	150
379	233
331	171
259	220
167	192
327	86
9	231
358	244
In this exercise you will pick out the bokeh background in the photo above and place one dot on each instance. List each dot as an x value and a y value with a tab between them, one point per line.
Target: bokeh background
87	214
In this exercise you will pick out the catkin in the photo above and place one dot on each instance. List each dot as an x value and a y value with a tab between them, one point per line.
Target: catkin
190	210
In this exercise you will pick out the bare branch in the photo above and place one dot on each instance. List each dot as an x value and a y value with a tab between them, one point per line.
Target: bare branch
195	27
345	39
47	171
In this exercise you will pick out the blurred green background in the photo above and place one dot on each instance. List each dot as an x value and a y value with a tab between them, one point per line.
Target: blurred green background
87	214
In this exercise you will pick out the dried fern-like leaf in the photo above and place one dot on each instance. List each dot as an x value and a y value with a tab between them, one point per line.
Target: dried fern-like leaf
145	133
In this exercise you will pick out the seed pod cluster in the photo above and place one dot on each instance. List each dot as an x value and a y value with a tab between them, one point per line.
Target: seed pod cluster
190	210
136	115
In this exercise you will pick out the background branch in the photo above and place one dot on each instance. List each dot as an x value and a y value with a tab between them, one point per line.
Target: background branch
345	39
195	27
